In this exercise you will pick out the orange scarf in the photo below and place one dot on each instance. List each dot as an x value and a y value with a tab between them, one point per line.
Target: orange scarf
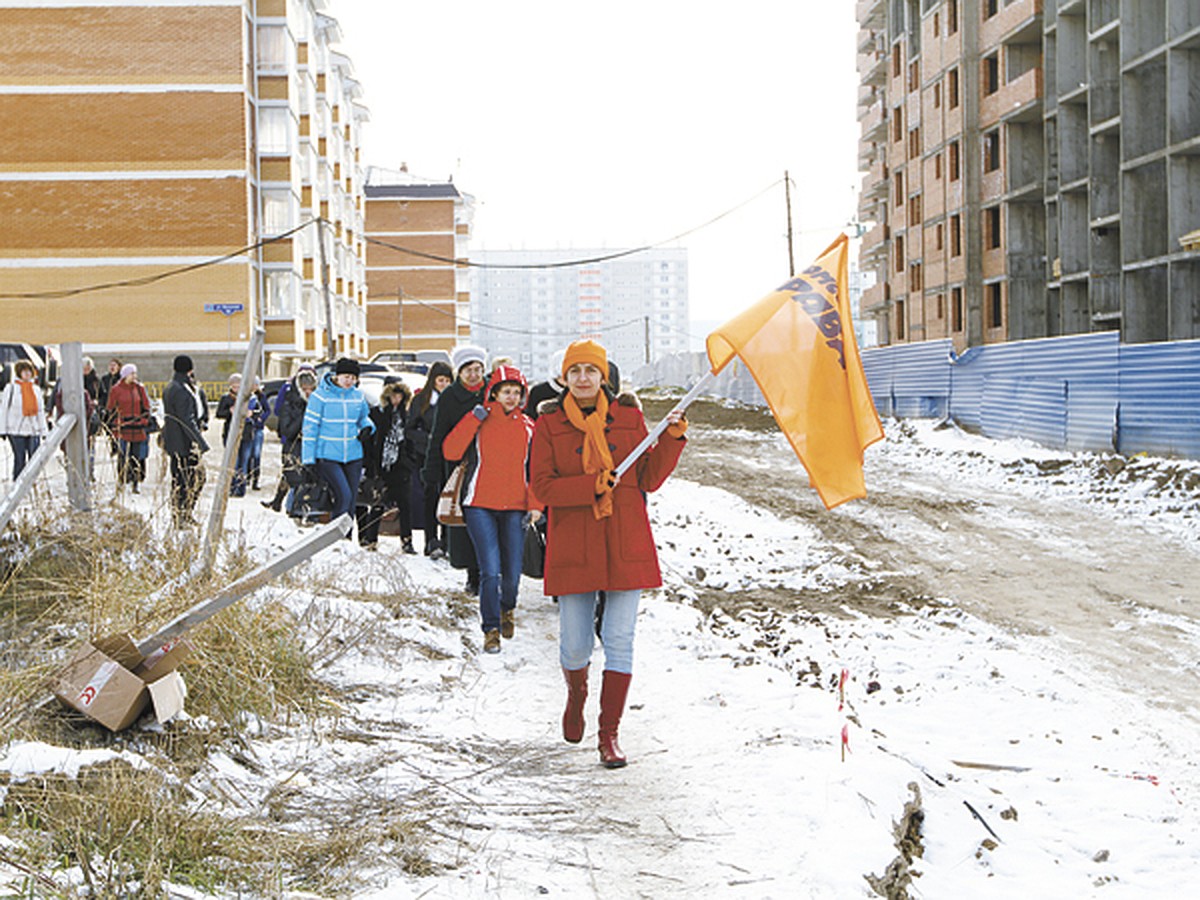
596	455
29	404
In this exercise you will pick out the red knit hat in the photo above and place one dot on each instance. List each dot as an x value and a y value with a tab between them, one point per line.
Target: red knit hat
505	375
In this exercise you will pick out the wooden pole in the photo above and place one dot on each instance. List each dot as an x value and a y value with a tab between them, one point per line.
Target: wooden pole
79	491
330	337
787	194
248	584
216	516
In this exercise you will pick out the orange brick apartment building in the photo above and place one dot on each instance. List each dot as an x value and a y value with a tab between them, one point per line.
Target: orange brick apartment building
142	138
1032	168
418	300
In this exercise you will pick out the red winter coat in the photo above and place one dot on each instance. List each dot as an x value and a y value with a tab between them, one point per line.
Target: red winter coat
132	407
497	453
584	553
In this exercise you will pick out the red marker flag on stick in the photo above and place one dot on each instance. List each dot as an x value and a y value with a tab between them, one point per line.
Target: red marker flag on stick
798	344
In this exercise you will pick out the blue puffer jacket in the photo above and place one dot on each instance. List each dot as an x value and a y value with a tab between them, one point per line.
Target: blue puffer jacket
332	421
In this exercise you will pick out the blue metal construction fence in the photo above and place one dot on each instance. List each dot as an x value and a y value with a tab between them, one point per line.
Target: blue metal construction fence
1080	392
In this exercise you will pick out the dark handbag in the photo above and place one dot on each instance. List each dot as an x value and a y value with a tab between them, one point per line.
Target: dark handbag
371	491
533	552
152	426
313	499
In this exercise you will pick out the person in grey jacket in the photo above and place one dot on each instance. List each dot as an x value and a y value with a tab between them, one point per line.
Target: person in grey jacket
183	440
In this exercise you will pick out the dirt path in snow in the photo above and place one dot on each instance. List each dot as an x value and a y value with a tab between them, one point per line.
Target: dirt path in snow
1123	596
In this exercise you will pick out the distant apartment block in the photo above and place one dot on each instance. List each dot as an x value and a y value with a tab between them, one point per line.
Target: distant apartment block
143	138
636	306
1032	168
417	232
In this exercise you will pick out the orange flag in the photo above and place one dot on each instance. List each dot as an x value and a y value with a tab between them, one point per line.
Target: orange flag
799	345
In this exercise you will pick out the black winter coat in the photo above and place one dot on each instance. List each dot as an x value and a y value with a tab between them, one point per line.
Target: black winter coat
417	427
291	419
182	432
454	403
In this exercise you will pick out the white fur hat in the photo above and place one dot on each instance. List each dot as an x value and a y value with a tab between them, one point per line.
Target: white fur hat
465	355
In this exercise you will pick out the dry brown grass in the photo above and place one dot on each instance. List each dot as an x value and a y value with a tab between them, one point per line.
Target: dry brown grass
65	577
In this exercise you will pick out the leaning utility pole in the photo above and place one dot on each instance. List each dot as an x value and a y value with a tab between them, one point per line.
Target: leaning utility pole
330	337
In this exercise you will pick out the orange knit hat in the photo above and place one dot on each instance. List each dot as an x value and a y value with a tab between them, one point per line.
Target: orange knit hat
586	351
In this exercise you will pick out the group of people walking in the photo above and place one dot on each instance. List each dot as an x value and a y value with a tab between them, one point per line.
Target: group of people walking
551	451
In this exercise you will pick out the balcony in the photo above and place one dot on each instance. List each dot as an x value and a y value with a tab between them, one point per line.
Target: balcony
871	13
874	125
1019	95
872	67
874	242
1018	14
873	297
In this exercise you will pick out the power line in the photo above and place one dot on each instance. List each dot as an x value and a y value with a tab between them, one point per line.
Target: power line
150	279
566	264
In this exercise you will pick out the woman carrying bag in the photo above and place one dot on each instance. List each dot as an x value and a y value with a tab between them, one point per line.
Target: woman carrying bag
455	402
23	414
493	441
130	407
417	429
336	415
598	537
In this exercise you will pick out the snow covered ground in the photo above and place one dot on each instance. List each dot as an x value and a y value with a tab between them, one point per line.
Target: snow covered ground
1028	768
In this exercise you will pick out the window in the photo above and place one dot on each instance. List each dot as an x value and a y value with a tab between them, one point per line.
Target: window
937	94
951	16
899	249
272	45
898	184
937	24
914	209
940	305
277	293
939	237
900	317
937	167
992	226
956	309
991	150
989	8
952	88
956	235
896	61
991	74
898	123
274	130
914	143
914	75
277	214
952	162
914	277
995	304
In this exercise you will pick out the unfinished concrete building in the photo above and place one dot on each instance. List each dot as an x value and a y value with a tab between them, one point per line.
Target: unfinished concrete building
1032	168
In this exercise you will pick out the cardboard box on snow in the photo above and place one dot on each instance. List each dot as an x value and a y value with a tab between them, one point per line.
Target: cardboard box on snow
110	681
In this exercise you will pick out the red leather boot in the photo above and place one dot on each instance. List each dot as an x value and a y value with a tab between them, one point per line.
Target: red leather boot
612	705
572	720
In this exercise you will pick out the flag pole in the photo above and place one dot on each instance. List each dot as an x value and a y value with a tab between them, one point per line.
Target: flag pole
653	436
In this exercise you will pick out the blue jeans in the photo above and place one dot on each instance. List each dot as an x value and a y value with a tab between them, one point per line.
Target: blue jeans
241	468
498	538
255	462
577	629
343	479
23	448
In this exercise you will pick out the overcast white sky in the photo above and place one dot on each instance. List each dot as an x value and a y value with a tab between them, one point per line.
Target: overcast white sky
624	123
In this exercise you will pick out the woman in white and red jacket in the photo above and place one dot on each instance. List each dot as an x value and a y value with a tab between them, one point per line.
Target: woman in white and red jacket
494	440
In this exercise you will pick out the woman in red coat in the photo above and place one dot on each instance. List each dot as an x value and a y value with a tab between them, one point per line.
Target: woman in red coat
129	406
494	441
598	536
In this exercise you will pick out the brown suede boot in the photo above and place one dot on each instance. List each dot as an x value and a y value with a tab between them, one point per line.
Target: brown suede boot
612	705
572	721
